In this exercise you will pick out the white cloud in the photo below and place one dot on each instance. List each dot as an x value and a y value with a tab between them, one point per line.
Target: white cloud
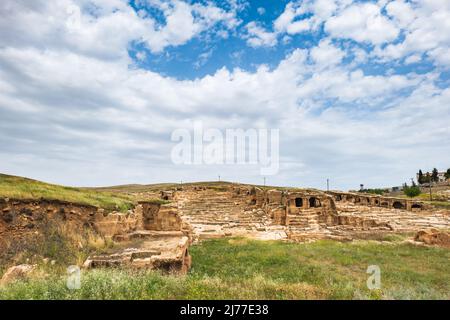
73	111
108	29
286	18
426	27
203	58
362	23
413	59
325	54
258	37
402	12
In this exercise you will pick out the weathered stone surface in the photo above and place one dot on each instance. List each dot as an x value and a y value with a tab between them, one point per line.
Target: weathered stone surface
433	237
16	273
379	201
156	250
155	235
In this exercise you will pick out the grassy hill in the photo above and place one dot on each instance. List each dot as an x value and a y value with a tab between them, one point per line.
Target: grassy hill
23	188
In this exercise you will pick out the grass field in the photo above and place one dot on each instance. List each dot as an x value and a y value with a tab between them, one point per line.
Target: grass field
245	269
23	188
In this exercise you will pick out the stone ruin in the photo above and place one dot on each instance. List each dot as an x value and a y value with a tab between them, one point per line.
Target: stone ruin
157	234
372	200
301	214
150	236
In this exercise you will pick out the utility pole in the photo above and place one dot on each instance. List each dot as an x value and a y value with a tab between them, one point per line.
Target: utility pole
431	196
328	184
264	181
219	178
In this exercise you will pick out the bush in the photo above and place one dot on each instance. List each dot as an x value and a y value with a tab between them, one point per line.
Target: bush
374	191
412	191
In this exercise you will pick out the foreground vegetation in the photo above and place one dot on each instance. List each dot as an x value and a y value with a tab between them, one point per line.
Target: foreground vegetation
23	188
245	269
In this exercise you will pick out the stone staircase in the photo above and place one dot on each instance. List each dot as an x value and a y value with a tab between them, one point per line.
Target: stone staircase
162	250
399	220
307	220
216	213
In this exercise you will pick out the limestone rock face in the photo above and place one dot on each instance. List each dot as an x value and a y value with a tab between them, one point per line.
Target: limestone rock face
160	217
115	223
16	273
433	237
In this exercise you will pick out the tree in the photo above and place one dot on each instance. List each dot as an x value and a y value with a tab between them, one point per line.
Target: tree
412	191
420	179
427	178
434	175
447	174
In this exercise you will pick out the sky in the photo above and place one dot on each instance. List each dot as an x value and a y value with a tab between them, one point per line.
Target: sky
92	90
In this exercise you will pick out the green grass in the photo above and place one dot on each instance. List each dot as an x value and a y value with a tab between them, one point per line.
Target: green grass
22	188
245	269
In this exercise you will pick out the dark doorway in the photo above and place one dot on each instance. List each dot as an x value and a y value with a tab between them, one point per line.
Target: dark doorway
416	206
298	202
398	205
314	202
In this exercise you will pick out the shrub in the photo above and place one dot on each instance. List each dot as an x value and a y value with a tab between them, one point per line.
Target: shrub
412	191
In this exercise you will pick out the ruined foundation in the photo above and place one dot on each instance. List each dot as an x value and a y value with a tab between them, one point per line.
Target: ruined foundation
157	234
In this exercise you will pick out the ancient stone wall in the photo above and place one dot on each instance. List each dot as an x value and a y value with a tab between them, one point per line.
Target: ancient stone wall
165	237
18	216
159	217
116	223
168	194
379	201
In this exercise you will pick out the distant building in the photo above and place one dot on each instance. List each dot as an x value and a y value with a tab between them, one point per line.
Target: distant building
441	176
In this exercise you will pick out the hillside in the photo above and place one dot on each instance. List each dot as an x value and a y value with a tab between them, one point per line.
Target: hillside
24	188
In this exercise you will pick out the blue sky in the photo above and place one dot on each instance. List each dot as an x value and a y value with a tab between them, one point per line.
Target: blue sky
205	54
91	90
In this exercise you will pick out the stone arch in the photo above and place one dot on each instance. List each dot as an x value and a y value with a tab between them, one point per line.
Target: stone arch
398	205
416	206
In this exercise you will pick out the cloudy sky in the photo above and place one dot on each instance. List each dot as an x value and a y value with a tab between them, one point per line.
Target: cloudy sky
91	90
